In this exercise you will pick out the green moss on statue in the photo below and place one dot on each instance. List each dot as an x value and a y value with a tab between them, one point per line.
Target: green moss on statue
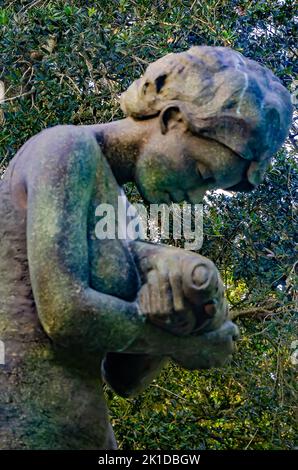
74	307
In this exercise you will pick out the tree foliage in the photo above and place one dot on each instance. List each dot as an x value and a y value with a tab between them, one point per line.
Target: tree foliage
67	62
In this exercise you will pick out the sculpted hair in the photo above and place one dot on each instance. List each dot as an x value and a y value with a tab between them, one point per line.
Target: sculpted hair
224	96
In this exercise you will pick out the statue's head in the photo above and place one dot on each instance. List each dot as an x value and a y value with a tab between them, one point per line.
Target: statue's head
218	120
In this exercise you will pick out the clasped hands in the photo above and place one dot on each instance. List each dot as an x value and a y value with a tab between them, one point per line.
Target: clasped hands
183	294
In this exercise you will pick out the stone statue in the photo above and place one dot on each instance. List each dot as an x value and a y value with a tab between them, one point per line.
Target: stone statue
74	308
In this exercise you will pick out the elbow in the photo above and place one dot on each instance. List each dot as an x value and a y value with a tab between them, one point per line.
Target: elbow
59	320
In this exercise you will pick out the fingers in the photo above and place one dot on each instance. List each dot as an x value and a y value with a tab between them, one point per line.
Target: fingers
157	294
171	289
166	298
161	298
177	290
154	292
144	299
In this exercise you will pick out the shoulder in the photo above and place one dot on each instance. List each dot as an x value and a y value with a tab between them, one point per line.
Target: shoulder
58	153
59	144
59	138
65	135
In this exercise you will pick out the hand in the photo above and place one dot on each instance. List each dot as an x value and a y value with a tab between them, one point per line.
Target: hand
158	302
215	350
183	293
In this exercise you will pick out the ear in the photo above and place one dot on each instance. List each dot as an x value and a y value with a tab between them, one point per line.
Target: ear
172	117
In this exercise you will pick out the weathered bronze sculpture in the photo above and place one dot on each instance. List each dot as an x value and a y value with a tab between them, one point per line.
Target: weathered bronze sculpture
203	119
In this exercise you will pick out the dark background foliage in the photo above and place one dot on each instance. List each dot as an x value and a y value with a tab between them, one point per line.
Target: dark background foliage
67	62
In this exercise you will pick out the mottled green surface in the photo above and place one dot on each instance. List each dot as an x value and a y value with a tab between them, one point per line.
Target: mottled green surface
88	298
52	398
162	27
85	293
49	400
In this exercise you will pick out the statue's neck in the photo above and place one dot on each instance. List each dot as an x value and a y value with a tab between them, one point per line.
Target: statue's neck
121	143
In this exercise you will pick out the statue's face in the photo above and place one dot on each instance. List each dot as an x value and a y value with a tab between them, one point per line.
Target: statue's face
180	166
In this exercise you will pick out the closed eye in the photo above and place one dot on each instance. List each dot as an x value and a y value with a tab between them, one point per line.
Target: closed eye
205	173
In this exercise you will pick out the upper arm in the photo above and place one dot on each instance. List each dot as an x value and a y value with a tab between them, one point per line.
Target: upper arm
60	180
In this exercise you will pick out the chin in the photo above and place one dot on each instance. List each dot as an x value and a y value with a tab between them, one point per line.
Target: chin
150	197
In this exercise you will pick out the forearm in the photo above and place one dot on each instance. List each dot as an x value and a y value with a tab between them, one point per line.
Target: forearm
77	316
130	373
155	341
93	321
212	349
80	318
96	321
125	331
